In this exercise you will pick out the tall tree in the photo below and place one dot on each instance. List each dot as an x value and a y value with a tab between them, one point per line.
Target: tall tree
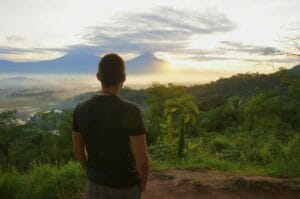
157	94
181	113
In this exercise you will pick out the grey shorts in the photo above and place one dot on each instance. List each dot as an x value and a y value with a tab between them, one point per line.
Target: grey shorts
95	191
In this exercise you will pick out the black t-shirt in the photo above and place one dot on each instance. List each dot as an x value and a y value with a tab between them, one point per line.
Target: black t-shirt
105	123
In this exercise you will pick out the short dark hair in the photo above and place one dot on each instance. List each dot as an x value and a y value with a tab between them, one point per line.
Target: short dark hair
111	69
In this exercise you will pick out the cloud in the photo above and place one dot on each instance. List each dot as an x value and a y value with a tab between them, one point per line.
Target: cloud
14	38
233	46
210	58
161	30
226	50
11	50
164	30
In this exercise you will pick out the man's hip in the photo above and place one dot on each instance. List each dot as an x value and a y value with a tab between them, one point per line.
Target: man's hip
96	191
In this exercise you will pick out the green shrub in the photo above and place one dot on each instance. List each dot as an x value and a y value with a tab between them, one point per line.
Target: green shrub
162	152
273	151
220	144
43	181
247	149
293	149
10	184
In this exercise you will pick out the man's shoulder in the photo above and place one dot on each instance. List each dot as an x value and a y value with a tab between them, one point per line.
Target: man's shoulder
120	102
131	105
85	103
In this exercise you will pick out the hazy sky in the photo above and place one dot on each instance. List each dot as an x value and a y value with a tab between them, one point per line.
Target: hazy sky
239	35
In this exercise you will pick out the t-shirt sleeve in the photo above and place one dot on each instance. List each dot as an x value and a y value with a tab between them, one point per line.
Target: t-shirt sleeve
139	126
75	125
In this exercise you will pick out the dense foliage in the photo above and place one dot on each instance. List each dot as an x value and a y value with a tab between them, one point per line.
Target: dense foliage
257	133
43	181
248	123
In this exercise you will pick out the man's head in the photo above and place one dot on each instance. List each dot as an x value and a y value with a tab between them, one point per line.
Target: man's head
111	70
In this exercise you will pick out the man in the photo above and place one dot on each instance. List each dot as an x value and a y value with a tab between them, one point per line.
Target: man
109	137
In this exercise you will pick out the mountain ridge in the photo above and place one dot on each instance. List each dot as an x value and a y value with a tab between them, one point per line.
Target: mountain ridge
81	63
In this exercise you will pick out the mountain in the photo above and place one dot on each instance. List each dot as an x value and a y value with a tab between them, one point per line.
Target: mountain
145	63
81	63
70	63
295	69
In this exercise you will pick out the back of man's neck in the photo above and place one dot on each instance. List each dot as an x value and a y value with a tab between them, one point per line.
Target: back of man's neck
109	91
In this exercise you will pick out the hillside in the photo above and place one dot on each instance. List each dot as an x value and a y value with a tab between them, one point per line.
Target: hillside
243	85
217	92
295	69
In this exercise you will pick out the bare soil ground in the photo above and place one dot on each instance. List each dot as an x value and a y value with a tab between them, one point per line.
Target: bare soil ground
205	183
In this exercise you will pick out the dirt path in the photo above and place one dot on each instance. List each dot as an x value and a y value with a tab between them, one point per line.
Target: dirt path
204	183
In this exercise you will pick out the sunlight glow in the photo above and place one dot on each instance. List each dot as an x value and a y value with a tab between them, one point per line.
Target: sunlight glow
188	35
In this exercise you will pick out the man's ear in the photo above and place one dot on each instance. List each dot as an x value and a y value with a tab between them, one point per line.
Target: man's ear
98	76
123	78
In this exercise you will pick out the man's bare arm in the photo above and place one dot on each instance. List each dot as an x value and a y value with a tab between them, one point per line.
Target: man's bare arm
79	149
139	148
